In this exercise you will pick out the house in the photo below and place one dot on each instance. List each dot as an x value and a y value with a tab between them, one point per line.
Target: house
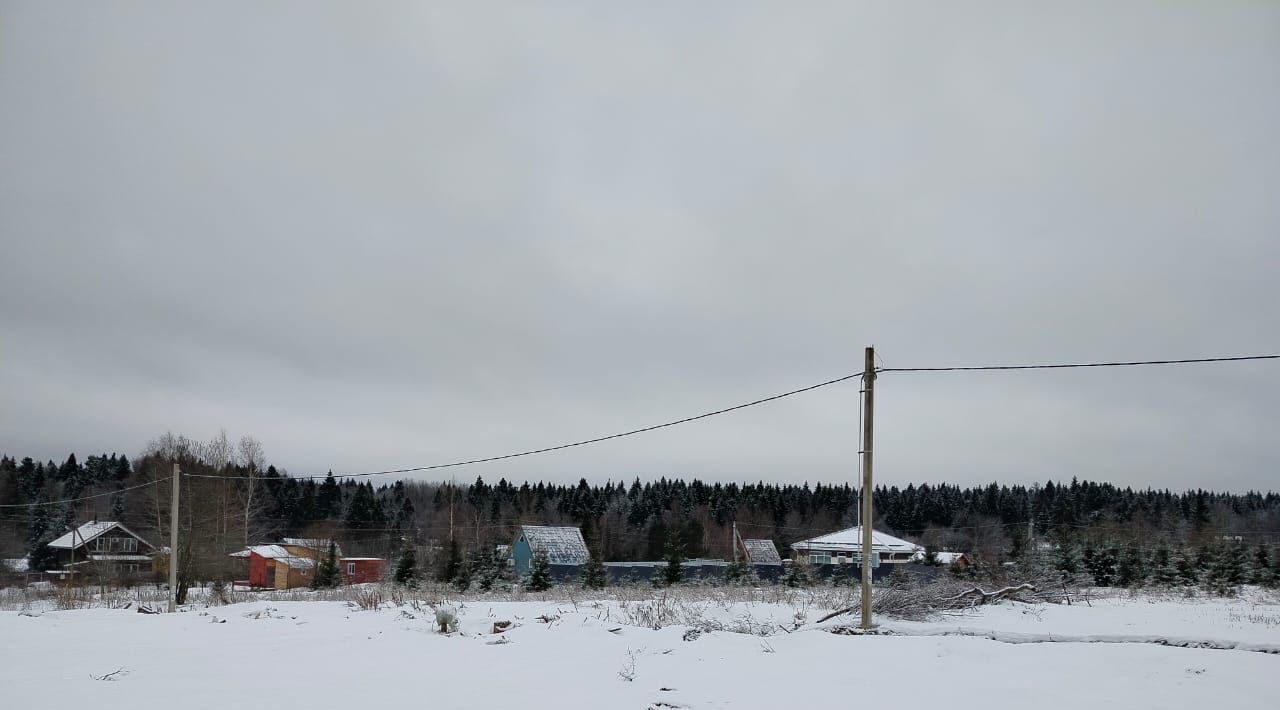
954	559
278	567
829	552
313	547
761	552
102	549
564	547
359	570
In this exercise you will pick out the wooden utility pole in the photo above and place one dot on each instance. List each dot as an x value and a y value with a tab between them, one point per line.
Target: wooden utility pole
868	403
173	540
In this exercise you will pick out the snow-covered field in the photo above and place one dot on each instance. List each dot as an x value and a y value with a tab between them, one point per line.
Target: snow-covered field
605	654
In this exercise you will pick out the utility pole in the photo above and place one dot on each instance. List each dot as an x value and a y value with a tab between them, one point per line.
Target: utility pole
868	403
173	540
734	541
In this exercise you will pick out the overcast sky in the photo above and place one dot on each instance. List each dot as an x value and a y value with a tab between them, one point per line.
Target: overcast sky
398	234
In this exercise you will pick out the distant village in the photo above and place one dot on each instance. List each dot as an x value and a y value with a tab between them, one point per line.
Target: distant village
110	552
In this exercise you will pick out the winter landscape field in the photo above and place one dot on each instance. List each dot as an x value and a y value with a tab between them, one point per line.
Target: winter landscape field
691	648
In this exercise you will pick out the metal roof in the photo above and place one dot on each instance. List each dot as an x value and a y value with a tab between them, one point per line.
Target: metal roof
850	540
90	531
563	545
297	562
762	552
271	552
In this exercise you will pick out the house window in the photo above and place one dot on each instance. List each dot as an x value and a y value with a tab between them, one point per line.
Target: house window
820	558
351	568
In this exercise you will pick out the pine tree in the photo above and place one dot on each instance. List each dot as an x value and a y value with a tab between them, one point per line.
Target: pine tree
1132	569
1164	571
1067	559
483	574
797	575
1189	572
1226	570
673	573
593	574
1262	571
539	573
406	574
1102	564
452	566
42	557
327	576
739	572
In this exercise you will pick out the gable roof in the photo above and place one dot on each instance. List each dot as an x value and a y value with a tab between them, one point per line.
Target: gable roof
850	540
563	545
91	531
297	562
271	552
762	552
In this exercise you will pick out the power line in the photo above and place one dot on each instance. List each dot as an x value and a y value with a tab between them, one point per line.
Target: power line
971	368
77	500
547	449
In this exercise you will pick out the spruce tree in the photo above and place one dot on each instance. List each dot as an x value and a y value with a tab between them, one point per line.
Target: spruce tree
1189	572
739	572
452	563
1262	571
482	570
1164	571
1132	569
326	576
797	574
1226	570
539	573
406	574
673	573
1067	559
593	574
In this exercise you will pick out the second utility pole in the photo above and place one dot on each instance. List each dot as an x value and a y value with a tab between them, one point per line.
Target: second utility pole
173	539
868	403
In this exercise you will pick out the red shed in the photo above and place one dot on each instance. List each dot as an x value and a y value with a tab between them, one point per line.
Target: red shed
358	570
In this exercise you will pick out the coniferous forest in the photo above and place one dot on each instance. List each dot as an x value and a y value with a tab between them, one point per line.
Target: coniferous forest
231	497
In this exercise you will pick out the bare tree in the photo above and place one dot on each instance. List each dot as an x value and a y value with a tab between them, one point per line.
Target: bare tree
251	459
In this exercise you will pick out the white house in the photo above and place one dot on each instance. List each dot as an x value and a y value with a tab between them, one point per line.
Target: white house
845	547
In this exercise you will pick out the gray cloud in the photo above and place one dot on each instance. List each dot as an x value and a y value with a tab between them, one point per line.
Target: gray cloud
405	236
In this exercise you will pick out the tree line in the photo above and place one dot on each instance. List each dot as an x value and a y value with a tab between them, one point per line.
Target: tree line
231	497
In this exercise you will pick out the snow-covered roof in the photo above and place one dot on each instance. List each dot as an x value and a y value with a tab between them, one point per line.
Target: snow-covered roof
850	540
563	545
88	532
271	552
297	562
762	552
943	558
17	564
314	543
120	558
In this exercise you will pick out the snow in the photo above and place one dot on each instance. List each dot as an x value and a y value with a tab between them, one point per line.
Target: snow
851	539
82	534
271	552
762	552
563	545
16	564
393	657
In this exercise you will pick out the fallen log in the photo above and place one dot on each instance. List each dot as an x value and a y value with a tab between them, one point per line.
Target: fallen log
984	597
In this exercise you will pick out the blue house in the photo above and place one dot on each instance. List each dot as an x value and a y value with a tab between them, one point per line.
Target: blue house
564	547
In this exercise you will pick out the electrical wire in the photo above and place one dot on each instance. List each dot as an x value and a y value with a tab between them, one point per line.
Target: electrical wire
96	495
548	449
972	368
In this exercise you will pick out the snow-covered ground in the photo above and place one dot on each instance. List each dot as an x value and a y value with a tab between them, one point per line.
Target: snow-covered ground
606	654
